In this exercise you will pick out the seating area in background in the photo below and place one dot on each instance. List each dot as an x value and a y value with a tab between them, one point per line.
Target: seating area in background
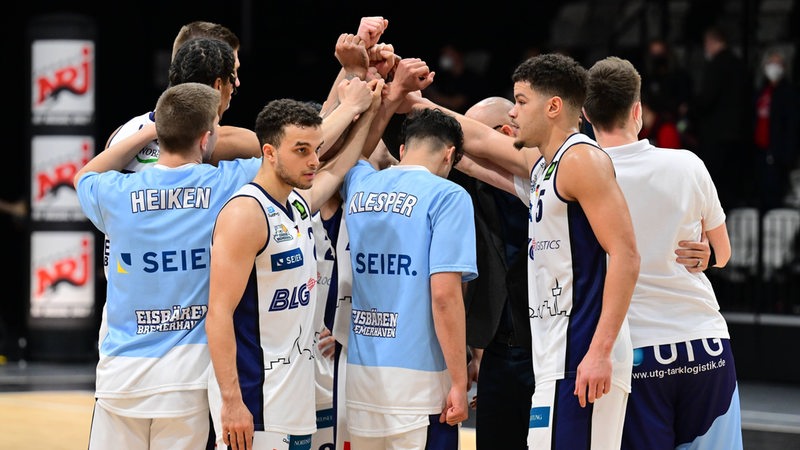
763	274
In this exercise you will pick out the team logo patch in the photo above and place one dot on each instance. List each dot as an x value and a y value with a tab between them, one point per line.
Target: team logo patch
540	417
298	205
287	260
281	234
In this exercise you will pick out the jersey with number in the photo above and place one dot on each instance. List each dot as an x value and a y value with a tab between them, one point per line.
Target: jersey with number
567	270
274	322
669	304
152	337
405	224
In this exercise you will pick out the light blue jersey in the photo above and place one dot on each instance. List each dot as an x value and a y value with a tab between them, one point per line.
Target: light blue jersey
405	224
159	222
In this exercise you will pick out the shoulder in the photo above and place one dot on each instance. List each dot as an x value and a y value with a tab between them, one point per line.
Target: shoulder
131	126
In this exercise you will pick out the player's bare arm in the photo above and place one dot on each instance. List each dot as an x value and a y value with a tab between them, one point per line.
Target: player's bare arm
240	232
587	176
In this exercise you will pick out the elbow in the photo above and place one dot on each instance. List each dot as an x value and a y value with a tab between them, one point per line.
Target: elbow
722	258
637	260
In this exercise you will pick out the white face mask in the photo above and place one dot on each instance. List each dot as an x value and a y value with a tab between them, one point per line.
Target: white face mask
446	62
773	71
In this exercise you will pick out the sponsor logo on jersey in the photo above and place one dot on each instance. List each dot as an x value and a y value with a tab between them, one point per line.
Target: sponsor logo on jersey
292	298
384	264
281	234
540	417
550	169
301	208
287	260
165	261
148	154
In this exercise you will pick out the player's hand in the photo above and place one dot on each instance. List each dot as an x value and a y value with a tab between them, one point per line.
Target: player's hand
694	255
326	343
237	426
371	28
593	379
455	411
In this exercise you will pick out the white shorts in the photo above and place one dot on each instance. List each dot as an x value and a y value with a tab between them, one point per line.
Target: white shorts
110	430
342	433
434	436
558	421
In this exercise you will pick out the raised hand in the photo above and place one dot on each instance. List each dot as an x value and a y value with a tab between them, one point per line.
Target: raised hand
352	54
412	74
383	58
371	28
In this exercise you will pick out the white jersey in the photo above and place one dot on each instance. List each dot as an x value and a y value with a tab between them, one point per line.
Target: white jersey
147	155
668	193
274	322
325	255
567	270
344	281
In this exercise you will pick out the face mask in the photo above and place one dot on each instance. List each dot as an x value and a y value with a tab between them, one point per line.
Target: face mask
773	71
445	63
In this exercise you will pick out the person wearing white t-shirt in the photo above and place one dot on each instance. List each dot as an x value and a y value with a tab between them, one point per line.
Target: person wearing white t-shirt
684	388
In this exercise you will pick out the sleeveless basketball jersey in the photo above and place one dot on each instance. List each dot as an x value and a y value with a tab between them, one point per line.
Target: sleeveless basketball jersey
344	285
274	321
152	338
567	269
405	224
325	256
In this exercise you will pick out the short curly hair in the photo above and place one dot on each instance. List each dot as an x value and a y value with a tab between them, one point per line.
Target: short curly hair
276	115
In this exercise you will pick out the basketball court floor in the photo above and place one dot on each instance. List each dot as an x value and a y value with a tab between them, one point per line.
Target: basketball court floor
48	406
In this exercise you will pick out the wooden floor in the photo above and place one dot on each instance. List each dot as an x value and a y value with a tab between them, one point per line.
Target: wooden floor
48	406
45	420
60	420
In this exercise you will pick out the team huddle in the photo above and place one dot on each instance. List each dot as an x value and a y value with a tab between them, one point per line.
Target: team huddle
297	286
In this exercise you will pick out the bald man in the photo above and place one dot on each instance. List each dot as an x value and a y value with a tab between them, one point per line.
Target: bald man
498	328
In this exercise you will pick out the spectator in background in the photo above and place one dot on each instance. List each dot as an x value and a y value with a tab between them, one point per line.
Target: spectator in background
775	135
457	85
721	112
667	85
659	128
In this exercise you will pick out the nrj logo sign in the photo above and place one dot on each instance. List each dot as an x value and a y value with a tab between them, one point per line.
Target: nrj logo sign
70	267
54	162
62	82
62	280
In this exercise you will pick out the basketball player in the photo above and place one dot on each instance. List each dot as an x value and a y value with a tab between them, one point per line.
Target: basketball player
153	367
412	245
263	275
583	260
675	323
